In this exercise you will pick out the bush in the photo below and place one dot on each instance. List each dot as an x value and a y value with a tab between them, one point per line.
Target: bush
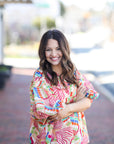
50	23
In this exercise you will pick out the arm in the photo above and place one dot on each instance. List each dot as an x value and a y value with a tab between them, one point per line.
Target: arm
39	93
84	97
79	106
90	91
82	104
41	110
40	96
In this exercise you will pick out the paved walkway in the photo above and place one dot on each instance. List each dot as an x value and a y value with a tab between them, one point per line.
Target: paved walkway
15	118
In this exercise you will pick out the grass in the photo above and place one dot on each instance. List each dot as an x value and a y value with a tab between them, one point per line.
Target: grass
21	51
19	56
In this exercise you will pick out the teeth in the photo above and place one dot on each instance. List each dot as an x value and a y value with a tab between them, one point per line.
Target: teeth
54	58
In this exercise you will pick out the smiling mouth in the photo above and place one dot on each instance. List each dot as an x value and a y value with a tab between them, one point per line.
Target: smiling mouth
54	59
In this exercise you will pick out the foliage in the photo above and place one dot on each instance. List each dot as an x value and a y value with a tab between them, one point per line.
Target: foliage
37	23
3	68
62	9
50	23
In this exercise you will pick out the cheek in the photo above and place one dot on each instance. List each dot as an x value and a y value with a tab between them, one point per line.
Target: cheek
46	54
61	54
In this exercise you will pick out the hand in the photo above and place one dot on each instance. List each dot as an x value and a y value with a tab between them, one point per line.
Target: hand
81	92
60	115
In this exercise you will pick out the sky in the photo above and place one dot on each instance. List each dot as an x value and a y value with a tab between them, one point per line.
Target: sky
87	4
97	5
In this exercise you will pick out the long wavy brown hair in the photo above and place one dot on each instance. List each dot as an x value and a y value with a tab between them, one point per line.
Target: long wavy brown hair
66	63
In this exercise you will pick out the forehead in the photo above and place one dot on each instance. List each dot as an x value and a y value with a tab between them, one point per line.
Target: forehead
52	43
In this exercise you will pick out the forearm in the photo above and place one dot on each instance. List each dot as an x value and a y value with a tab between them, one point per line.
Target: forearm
79	106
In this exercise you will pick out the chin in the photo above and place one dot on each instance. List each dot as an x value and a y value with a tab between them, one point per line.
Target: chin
55	64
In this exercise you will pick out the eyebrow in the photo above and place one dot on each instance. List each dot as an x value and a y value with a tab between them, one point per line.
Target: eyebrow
55	47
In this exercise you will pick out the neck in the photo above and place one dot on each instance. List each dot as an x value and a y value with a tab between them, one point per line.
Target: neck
57	69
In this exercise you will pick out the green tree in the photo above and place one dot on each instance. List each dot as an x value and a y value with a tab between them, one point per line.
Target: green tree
50	23
37	23
62	9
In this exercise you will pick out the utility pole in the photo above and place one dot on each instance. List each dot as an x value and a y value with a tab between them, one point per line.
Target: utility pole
1	35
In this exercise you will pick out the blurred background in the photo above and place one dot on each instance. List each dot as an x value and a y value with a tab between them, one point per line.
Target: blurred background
89	28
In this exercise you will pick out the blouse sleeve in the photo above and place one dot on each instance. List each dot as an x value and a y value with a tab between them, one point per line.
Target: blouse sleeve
39	94
82	80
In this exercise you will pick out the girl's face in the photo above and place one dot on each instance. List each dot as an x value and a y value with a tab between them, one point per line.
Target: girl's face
53	53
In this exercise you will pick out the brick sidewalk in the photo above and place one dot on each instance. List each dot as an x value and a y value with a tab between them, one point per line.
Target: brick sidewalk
14	113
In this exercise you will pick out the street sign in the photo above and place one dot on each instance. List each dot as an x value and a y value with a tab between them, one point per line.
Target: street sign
42	5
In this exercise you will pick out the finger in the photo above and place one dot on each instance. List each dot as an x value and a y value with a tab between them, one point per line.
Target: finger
80	88
83	91
52	117
55	119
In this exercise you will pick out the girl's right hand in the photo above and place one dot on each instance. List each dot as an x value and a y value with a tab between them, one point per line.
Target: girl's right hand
65	112
81	92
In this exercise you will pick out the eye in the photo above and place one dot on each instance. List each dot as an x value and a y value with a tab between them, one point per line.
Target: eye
58	48
48	49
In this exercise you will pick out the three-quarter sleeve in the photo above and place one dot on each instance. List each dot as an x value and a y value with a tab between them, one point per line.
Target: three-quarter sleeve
40	108
82	80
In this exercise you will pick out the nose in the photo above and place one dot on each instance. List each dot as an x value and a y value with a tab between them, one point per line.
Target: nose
53	53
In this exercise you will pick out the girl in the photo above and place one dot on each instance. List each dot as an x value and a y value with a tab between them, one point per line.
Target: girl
59	95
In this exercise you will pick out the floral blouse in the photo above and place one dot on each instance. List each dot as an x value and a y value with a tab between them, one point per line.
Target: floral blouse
47	100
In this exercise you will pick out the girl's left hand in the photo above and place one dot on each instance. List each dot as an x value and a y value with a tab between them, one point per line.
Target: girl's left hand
60	115
81	92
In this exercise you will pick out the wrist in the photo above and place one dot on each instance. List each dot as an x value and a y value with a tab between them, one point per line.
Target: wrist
69	108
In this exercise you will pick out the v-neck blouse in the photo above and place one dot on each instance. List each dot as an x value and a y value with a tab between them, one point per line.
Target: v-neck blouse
47	100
